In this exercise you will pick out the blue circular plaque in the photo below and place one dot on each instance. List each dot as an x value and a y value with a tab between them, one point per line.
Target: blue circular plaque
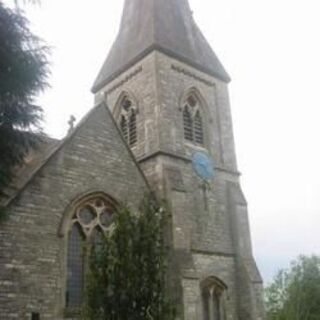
203	165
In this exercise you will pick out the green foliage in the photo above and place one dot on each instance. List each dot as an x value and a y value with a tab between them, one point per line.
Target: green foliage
23	74
295	293
127	278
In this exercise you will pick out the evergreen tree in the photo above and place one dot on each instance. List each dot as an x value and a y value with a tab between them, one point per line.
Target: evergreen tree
128	269
23	74
295	293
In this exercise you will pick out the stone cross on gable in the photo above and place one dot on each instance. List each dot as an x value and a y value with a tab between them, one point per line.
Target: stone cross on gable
71	123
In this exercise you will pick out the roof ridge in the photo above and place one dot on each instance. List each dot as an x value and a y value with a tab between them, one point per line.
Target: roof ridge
45	160
47	157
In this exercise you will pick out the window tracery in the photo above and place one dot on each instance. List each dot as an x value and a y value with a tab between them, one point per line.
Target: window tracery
91	220
128	121
213	294
192	120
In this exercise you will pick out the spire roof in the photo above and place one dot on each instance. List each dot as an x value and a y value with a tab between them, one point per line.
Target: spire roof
164	25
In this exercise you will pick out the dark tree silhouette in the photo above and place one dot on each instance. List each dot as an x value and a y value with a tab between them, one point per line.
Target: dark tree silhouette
23	75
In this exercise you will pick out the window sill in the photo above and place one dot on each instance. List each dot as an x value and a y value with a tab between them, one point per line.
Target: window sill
194	145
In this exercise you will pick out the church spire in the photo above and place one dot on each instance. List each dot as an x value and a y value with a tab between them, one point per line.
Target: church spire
163	25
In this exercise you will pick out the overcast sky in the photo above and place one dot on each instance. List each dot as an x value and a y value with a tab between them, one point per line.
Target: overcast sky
271	50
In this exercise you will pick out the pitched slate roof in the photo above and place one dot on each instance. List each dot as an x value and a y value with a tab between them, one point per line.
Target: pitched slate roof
164	25
31	165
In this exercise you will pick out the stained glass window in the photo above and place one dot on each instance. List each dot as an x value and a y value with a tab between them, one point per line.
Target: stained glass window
86	215
90	222
75	267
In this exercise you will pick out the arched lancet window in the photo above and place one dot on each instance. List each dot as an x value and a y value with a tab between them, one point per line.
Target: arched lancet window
128	121
75	266
192	120
213	296
90	221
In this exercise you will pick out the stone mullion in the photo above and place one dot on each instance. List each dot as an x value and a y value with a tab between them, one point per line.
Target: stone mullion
211	304
222	307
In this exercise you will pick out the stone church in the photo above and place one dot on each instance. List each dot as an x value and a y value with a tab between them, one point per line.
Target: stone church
161	122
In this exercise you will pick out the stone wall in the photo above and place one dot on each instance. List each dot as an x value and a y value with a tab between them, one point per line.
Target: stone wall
32	254
209	234
209	229
159	83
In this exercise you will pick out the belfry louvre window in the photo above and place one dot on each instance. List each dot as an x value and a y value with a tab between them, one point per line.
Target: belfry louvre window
213	295
132	129
187	124
90	222
192	121
124	127
128	121
198	129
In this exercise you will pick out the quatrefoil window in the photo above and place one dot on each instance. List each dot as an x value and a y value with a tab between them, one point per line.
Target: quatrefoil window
96	213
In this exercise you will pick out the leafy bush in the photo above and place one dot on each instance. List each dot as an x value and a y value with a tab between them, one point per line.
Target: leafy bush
127	278
295	293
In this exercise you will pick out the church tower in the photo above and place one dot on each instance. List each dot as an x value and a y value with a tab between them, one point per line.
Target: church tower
168	92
